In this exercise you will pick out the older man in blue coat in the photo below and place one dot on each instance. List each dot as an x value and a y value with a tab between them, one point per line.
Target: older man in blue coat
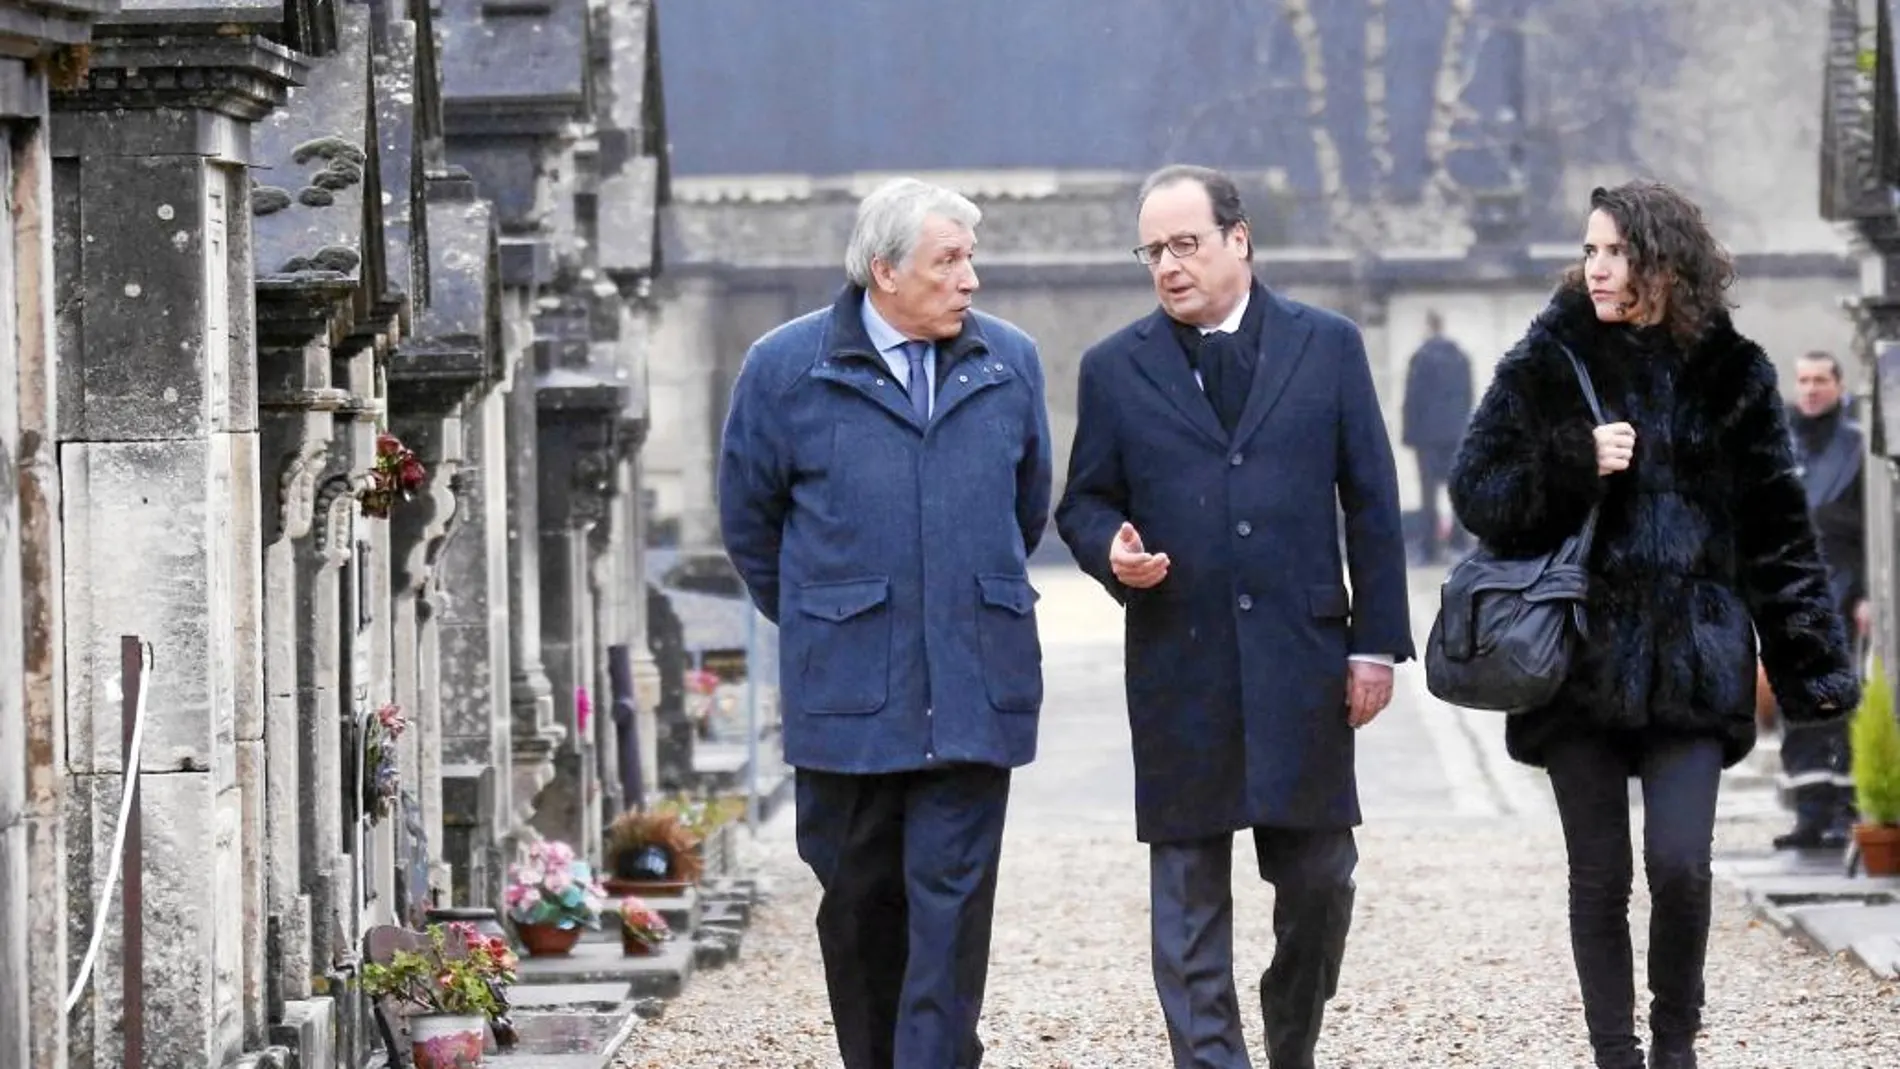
1217	442
884	477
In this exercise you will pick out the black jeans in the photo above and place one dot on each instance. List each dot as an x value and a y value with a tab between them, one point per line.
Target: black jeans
1590	774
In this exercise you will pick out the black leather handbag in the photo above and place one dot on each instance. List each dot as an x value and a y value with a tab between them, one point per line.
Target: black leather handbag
1507	626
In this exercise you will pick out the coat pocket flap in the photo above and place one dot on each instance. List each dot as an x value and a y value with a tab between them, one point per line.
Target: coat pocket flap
1328	602
1010	592
843	600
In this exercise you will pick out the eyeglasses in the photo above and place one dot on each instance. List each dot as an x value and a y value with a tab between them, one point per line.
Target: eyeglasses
1181	245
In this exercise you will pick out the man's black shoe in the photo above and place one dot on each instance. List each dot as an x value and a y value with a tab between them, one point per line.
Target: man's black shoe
1812	839
1801	838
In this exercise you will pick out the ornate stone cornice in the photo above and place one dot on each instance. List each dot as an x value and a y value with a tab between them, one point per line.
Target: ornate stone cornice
32	27
292	311
243	77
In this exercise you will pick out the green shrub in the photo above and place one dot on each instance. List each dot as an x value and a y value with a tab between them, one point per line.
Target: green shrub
1875	737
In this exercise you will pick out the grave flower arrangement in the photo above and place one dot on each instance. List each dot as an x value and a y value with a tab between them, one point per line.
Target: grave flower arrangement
396	471
649	848
702	696
456	984
382	774
552	896
641	927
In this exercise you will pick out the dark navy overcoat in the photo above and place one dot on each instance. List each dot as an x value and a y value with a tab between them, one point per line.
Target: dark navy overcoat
891	552
1237	661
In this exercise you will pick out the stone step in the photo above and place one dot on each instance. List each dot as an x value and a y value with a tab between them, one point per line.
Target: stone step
662	974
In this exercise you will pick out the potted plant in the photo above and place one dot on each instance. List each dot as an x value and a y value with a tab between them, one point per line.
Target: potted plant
651	852
642	929
1875	742
453	985
709	821
551	897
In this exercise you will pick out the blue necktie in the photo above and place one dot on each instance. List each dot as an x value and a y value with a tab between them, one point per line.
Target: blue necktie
919	385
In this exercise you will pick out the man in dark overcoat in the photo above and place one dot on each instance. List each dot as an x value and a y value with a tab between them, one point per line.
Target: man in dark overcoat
1827	450
884	477
1437	407
1218	442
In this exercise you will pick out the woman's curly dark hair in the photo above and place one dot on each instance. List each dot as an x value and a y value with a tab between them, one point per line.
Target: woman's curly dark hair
1671	252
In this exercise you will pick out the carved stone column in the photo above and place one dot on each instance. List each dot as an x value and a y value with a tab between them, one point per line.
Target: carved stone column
33	903
578	424
160	470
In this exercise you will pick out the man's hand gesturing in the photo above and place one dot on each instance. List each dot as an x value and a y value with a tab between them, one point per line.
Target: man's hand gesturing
1134	566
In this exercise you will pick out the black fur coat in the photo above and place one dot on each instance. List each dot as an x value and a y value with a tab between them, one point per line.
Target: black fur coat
1703	544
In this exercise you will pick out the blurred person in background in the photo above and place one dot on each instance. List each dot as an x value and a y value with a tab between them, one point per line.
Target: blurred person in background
1437	406
1827	449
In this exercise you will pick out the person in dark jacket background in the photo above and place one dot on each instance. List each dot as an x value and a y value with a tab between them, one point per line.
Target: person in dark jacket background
883	479
1703	541
1827	449
1437	406
1197	498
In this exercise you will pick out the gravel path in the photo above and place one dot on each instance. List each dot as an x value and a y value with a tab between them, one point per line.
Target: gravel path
1459	957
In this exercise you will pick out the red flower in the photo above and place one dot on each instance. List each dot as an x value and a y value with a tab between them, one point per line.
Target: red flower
388	445
412	473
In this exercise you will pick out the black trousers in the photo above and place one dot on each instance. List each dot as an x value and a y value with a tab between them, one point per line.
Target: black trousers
1434	471
1814	763
908	865
1590	774
1192	915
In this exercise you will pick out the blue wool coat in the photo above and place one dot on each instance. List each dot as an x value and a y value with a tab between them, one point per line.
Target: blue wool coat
892	553
1236	662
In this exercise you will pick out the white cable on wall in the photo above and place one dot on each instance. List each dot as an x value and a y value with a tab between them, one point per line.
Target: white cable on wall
131	762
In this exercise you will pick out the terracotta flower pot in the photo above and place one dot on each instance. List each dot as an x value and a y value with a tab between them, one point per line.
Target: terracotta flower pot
546	940
636	948
1879	848
644	888
446	1041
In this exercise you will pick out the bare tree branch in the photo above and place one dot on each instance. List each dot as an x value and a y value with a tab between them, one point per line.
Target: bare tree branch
1332	172
1447	91
1378	118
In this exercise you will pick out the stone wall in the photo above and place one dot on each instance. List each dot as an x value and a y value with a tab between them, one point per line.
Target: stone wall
747	263
243	272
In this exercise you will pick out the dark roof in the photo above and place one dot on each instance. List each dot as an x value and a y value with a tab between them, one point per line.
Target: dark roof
882	85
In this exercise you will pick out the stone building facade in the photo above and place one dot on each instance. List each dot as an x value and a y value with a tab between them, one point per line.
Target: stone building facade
1860	188
253	246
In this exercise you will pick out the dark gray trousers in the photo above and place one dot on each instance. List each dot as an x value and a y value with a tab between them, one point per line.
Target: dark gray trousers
1192	911
908	864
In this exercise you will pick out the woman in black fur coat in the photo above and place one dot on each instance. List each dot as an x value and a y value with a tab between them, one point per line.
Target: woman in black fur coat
1703	543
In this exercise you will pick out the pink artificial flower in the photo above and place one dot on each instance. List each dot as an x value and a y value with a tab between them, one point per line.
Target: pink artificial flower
559	879
559	854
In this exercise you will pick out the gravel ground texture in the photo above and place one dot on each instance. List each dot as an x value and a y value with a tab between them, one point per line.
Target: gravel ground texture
1460	951
1459	957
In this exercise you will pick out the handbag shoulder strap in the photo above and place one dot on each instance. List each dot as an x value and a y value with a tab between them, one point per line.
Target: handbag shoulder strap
1583	380
1587	535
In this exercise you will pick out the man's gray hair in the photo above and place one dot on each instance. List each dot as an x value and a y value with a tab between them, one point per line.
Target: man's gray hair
892	216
